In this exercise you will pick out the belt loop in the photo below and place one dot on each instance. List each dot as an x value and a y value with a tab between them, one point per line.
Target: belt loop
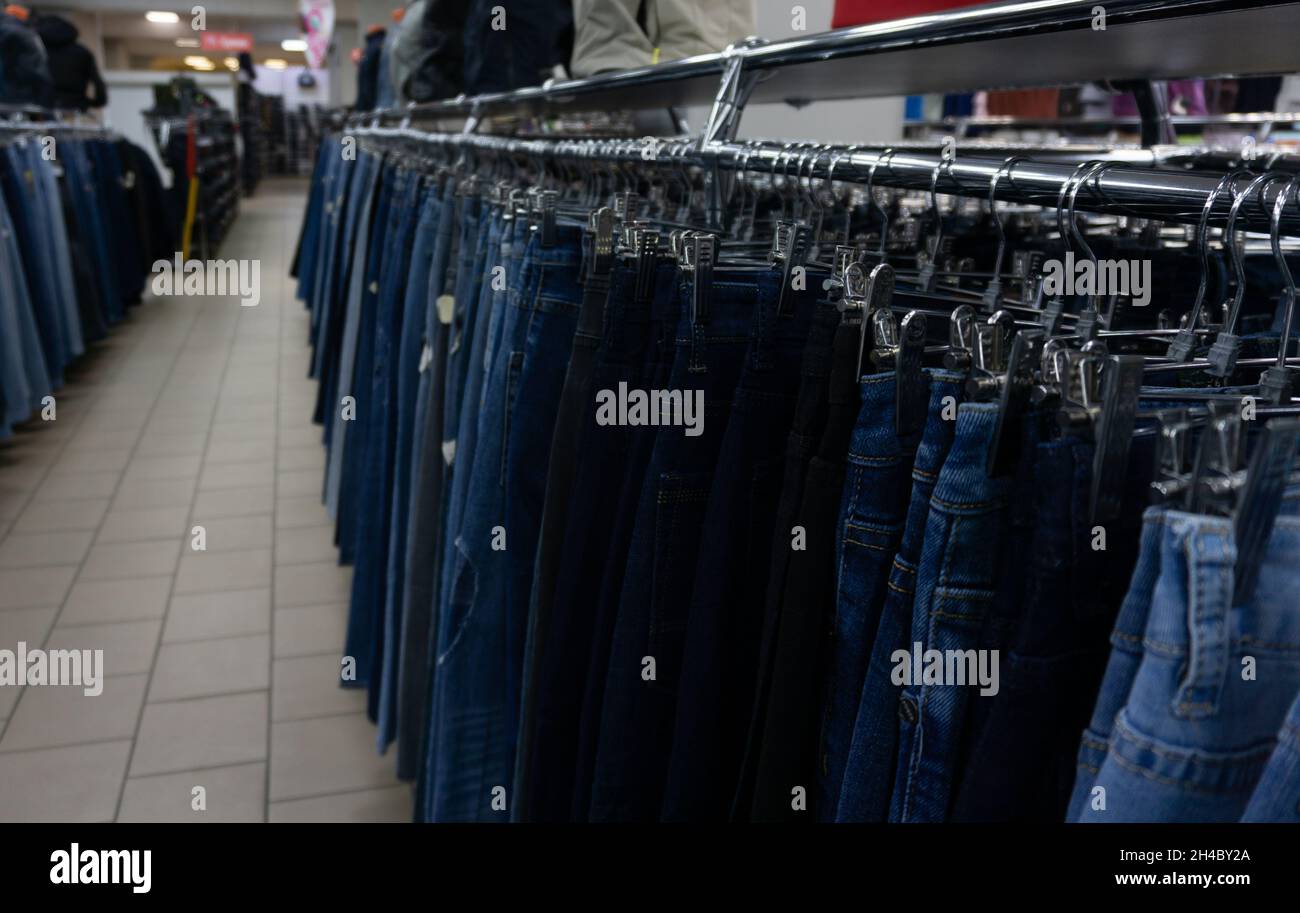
1211	557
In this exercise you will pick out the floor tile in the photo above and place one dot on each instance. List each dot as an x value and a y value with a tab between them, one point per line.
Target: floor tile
73	486
204	732
241	451
298	482
306	544
138	494
216	476
23	588
236	503
301	511
226	534
307	584
48	716
30	550
121	560
142	525
90	461
304	630
162	467
230	794
128	645
293	458
199	616
324	755
391	805
205	667
234	570
74	784
99	601
308	686
57	516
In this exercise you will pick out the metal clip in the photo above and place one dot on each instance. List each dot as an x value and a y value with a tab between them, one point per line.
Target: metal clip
961	339
790	252
702	249
1173	475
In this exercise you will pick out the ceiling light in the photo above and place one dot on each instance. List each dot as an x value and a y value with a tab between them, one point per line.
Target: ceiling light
293	44
200	63
162	17
187	42
275	63
232	63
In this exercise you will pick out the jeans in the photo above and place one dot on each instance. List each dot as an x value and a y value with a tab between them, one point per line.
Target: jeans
964	534
571	651
872	514
809	420
424	529
868	779
1022	767
575	396
406	382
723	631
1212	689
1275	797
475	740
639	701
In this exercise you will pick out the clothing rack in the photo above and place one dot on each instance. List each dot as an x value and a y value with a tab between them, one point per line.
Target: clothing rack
1122	189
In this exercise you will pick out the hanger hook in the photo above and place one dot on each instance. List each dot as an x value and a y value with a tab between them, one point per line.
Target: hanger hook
1275	235
1238	267
1060	204
1008	164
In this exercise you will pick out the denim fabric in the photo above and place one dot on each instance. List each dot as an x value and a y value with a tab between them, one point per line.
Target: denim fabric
332	302
723	631
305	265
26	377
24	191
788	751
1122	663
955	586
475	738
542	372
1214	683
637	713
811	407
574	405
1276	799
370	450
61	261
374	202
869	769
636	348
872	514
424	530
406	366
335	213
1022	766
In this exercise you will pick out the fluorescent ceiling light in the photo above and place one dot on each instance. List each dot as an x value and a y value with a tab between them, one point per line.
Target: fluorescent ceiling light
187	42
162	17
232	63
275	63
200	63
293	44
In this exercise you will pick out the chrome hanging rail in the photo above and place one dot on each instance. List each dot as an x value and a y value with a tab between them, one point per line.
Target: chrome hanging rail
1145	192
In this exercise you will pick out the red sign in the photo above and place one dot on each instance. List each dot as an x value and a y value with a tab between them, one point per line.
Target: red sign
225	41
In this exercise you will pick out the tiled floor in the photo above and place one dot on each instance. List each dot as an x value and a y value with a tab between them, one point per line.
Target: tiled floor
221	665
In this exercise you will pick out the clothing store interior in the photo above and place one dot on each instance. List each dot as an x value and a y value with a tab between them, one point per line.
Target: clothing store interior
575	411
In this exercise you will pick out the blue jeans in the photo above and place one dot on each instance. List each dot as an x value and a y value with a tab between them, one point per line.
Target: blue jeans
475	738
1212	689
406	362
1275	797
636	717
955	587
723	629
869	769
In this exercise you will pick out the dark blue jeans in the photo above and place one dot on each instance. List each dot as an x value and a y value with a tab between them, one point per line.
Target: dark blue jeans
406	365
637	713
723	632
636	348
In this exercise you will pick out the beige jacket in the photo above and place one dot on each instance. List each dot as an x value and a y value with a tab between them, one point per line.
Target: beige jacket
607	35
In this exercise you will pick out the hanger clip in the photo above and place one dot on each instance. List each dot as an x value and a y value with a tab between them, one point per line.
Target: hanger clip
598	242
789	252
1014	388
1261	497
627	205
1173	474
701	250
911	385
